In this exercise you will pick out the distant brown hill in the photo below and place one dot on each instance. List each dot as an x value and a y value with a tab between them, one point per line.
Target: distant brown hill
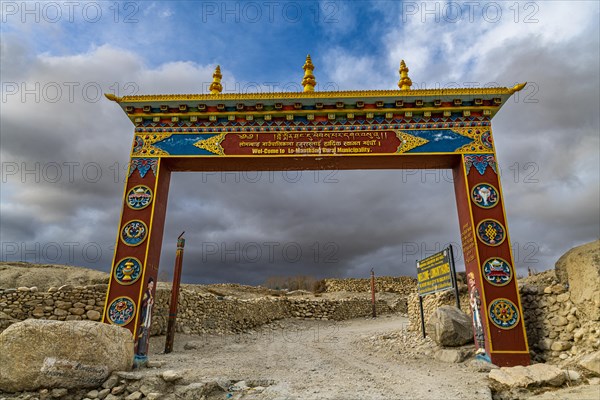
44	276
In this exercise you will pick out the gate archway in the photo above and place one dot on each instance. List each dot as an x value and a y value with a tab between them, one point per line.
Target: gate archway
379	129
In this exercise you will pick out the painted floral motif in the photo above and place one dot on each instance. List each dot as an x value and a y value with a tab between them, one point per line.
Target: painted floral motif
121	311
139	197
485	195
128	270
143	165
480	162
491	232
134	233
504	313
138	143
497	271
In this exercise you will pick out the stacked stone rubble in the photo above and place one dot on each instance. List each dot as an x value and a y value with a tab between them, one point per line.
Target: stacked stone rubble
66	303
556	330
401	284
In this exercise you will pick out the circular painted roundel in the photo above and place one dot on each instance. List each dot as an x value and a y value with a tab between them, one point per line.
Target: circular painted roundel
497	271
128	270
139	197
484	195
121	311
134	233
504	313
491	232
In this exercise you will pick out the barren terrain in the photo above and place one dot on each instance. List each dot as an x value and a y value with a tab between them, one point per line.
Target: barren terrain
322	360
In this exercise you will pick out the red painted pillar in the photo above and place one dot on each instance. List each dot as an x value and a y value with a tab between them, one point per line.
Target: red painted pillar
132	285
494	297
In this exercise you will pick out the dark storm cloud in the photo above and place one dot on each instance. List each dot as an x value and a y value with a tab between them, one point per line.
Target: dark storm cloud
247	227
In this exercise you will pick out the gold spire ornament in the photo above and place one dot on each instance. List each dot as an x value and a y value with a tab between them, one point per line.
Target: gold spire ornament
404	83
215	86
308	82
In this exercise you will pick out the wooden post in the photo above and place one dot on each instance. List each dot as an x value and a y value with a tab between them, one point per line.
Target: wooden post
373	293
175	294
454	280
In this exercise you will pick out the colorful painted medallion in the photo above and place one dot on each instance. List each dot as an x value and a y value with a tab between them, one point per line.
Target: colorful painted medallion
484	195
134	233
497	271
504	313
139	197
128	270
491	232
121	311
486	139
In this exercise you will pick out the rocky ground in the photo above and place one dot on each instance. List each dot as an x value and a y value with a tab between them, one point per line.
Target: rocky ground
322	360
360	358
292	359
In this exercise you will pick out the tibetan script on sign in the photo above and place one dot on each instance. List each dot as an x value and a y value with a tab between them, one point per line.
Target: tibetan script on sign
299	143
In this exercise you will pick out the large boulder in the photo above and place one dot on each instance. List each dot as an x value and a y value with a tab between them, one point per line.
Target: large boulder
580	269
522	377
449	326
38	354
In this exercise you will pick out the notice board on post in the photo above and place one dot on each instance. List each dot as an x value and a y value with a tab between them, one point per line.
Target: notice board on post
436	273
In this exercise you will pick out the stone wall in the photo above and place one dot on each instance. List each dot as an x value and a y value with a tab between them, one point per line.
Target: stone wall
197	312
402	284
555	327
63	304
556	330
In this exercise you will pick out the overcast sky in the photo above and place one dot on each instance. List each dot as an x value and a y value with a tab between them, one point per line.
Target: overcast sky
64	148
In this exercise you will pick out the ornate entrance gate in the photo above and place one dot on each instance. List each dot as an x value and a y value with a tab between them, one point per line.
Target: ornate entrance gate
384	129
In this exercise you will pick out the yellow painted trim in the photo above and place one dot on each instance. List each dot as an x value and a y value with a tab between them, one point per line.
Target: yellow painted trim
510	352
373	126
113	266
516	283
145	265
282	113
257	156
481	279
319	95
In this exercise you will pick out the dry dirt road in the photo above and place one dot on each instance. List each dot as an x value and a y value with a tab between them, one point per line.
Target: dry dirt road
322	360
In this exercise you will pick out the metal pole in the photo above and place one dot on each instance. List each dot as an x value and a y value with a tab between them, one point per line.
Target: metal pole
373	293
453	272
175	294
422	316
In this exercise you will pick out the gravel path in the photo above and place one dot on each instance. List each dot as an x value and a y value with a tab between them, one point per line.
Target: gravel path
323	360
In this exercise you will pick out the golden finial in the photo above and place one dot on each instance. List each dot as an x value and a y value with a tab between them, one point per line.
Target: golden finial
112	97
215	86
308	82
404	83
518	87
